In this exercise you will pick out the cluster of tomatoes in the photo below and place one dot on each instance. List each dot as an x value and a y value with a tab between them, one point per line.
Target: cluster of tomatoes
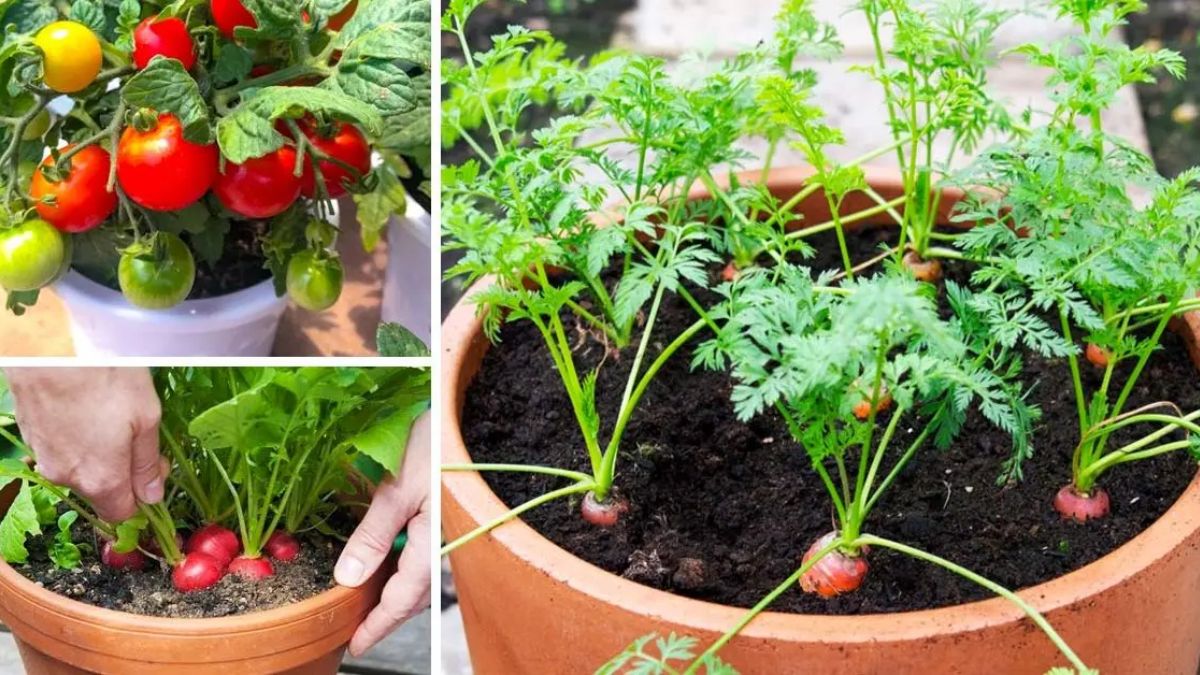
160	170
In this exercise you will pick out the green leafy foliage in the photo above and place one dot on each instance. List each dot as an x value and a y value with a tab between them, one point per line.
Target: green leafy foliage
282	441
654	655
396	341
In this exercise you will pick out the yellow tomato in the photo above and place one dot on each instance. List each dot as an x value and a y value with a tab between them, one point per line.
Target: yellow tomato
72	56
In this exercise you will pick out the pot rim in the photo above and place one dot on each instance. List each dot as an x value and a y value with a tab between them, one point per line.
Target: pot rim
463	337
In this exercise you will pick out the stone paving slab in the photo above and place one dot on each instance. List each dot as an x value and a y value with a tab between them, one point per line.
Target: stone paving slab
455	659
675	27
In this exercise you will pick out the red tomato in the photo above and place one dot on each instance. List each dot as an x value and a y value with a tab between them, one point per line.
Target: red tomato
347	144
263	187
229	14
162	171
81	199
338	21
167	37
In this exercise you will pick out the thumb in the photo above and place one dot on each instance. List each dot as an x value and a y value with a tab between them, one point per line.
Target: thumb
146	465
372	541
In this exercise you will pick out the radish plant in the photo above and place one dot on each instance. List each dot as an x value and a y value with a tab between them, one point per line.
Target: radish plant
1060	235
270	451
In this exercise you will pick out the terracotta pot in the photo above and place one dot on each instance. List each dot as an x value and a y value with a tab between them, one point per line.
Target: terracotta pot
60	636
1133	612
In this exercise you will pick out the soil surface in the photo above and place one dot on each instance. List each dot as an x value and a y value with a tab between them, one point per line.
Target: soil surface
150	592
723	511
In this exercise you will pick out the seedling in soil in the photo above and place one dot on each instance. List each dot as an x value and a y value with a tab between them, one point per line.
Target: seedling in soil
1060	235
519	213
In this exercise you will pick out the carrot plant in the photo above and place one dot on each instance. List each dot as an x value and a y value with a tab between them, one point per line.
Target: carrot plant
604	254
1063	237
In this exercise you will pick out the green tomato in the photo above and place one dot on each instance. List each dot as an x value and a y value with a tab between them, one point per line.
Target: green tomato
314	280
31	255
160	278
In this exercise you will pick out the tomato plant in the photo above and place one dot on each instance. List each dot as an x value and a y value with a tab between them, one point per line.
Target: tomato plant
72	56
72	193
31	255
314	280
157	275
163	37
184	99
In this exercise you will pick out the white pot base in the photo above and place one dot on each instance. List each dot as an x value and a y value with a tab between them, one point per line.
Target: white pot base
104	324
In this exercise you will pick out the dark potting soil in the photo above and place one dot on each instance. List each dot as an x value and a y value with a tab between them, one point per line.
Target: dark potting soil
242	263
150	591
723	511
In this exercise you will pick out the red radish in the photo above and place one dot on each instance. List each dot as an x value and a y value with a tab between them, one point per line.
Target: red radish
134	560
862	409
252	569
196	573
1079	507
282	546
217	542
836	573
924	270
1097	355
603	514
730	273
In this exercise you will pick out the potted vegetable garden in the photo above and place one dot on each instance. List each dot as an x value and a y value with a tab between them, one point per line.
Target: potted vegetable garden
173	169
877	415
234	569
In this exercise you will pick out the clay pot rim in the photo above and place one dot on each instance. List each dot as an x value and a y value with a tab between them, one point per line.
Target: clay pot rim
462	334
12	580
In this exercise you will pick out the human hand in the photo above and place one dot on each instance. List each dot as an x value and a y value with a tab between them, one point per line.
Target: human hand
94	430
400	501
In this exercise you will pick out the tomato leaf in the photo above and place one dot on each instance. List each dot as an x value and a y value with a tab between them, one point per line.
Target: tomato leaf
233	63
396	341
377	208
249	131
165	86
381	81
411	19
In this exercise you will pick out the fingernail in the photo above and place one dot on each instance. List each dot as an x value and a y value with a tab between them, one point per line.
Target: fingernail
349	571
154	491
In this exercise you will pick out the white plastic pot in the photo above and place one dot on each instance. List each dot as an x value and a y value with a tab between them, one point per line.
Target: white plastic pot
103	323
406	288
